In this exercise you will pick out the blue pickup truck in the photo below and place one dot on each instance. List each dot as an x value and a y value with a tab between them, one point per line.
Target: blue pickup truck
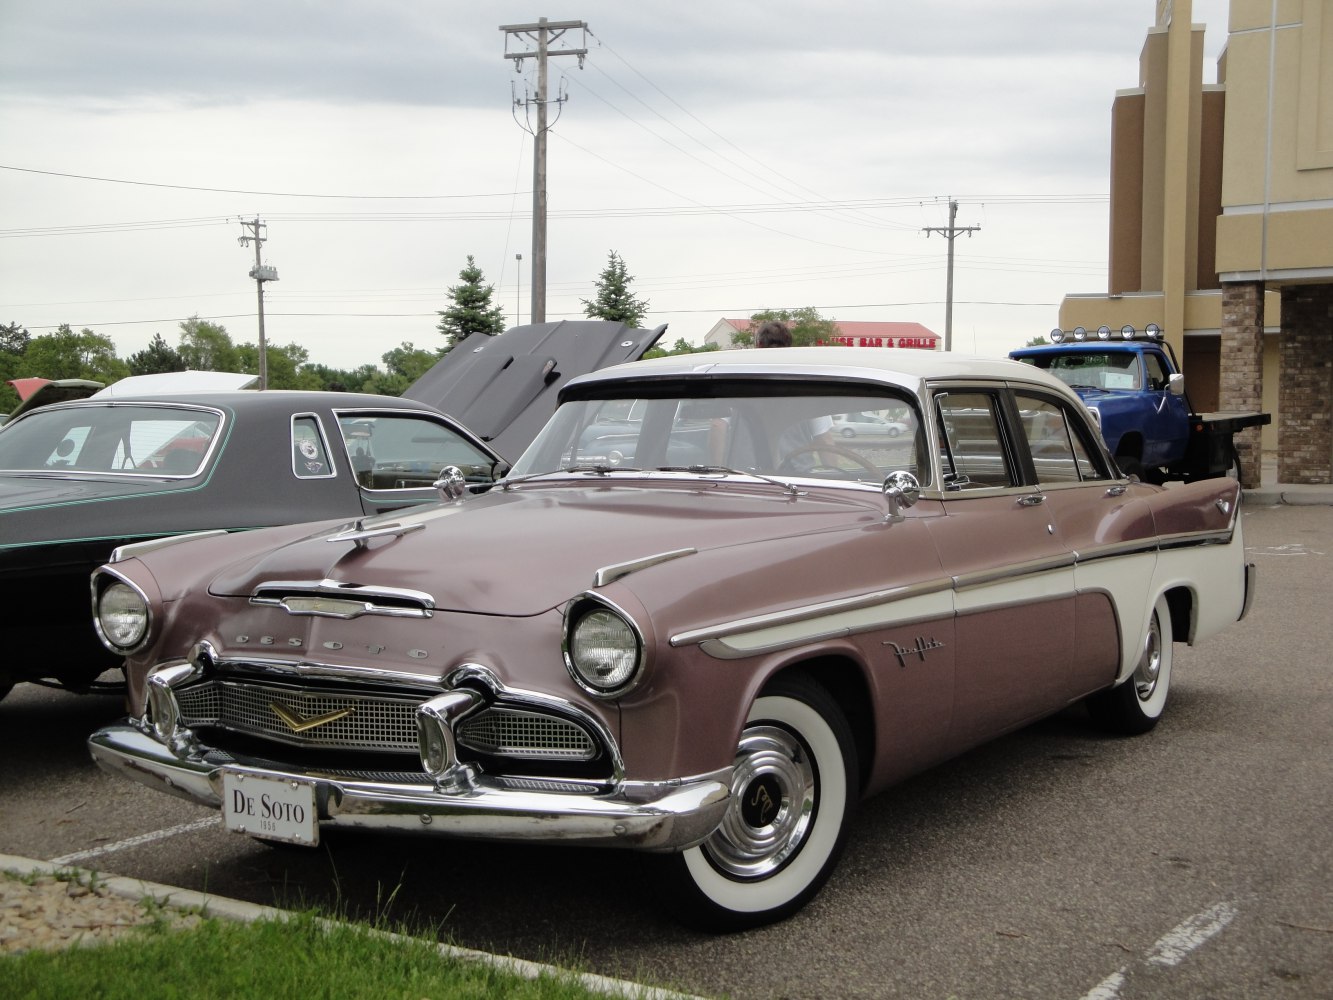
1132	383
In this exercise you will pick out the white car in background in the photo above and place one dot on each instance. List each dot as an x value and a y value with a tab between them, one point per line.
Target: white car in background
850	425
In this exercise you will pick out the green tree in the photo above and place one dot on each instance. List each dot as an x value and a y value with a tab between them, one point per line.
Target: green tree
341	379
1037	342
409	361
66	354
14	341
471	310
207	347
614	301
405	364
807	327
285	365
157	357
682	346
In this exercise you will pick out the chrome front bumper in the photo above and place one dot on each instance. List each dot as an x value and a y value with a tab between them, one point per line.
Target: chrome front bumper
651	816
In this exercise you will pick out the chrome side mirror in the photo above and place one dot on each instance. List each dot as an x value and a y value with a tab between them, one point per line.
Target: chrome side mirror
902	490
451	484
1175	383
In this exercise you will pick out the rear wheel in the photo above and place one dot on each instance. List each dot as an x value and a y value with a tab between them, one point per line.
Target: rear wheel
1135	705
793	793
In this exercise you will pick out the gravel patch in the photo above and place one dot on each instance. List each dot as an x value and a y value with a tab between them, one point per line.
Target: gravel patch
49	912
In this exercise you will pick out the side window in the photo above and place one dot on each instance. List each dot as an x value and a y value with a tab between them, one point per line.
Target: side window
1059	452
1049	440
1157	374
399	452
972	452
310	453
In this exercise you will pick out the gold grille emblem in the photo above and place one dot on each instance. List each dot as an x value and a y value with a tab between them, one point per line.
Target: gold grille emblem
298	723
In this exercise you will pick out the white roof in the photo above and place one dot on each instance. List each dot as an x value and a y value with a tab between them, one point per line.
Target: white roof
902	366
177	382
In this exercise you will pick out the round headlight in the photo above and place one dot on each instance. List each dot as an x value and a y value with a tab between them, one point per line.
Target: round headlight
122	615
603	651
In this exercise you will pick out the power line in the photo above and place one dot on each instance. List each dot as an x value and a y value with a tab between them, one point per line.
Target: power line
267	194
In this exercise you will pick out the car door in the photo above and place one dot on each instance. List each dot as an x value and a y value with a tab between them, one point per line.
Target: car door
1013	576
1098	518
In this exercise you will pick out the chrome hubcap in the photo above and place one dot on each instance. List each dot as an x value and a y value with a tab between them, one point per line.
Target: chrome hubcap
1149	670
772	805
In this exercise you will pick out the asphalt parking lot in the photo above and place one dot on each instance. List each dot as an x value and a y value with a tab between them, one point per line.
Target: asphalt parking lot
1196	861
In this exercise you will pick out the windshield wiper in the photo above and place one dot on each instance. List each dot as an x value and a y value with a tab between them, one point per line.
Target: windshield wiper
600	470
725	470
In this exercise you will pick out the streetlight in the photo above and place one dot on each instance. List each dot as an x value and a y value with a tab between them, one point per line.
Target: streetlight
518	290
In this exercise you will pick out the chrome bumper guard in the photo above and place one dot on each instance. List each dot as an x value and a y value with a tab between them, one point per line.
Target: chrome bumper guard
650	816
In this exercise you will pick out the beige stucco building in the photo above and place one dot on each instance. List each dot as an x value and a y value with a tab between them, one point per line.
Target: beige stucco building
1222	220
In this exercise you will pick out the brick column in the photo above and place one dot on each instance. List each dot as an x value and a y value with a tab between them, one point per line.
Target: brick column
1241	375
1305	436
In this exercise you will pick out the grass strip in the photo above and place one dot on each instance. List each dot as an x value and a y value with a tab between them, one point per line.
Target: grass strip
303	956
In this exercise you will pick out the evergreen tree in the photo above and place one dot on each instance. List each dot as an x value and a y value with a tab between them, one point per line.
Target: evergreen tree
471	310
158	356
614	301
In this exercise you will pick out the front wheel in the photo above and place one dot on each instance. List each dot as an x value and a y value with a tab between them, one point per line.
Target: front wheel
1135	705
793	794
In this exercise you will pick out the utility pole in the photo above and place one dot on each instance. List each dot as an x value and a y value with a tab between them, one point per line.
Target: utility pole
950	233
542	34
261	272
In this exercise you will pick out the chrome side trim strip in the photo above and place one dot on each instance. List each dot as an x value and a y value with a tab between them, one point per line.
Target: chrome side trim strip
794	615
1034	567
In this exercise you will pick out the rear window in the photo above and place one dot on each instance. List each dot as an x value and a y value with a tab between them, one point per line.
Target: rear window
113	438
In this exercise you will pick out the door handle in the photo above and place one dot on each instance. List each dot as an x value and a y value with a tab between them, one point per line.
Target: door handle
1032	500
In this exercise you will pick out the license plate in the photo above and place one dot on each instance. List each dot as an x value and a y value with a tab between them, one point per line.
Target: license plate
280	809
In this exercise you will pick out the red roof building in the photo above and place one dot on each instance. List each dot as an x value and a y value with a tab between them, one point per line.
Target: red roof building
851	333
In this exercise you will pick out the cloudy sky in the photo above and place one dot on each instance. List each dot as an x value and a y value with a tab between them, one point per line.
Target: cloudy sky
738	155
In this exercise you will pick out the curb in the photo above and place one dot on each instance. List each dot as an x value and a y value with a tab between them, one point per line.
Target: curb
1292	496
234	909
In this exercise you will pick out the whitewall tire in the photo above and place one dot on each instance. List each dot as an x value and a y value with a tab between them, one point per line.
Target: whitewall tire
794	791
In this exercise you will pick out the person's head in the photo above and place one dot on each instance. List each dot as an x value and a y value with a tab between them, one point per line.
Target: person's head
773	333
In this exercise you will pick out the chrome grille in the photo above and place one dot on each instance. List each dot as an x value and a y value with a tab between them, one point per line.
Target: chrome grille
510	732
383	722
379	722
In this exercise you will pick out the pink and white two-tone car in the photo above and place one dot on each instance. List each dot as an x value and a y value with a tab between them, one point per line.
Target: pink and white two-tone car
708	632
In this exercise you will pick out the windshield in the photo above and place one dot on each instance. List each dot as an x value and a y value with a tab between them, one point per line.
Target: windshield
1091	369
768	429
138	439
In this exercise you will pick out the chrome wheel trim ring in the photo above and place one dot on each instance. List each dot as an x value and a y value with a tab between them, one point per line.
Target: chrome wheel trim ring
772	805
1149	669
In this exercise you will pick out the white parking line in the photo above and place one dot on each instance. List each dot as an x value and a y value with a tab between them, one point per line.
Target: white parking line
143	838
1172	947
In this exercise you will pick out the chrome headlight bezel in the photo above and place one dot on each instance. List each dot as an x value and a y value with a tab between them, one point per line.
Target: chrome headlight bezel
591	611
106	581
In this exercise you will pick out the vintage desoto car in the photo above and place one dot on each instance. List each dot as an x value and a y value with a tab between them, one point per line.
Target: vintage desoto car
139	460
712	652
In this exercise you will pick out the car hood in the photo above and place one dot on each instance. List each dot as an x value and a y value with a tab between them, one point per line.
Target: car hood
524	552
505	388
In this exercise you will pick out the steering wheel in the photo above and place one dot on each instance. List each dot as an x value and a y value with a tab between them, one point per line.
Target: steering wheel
787	466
